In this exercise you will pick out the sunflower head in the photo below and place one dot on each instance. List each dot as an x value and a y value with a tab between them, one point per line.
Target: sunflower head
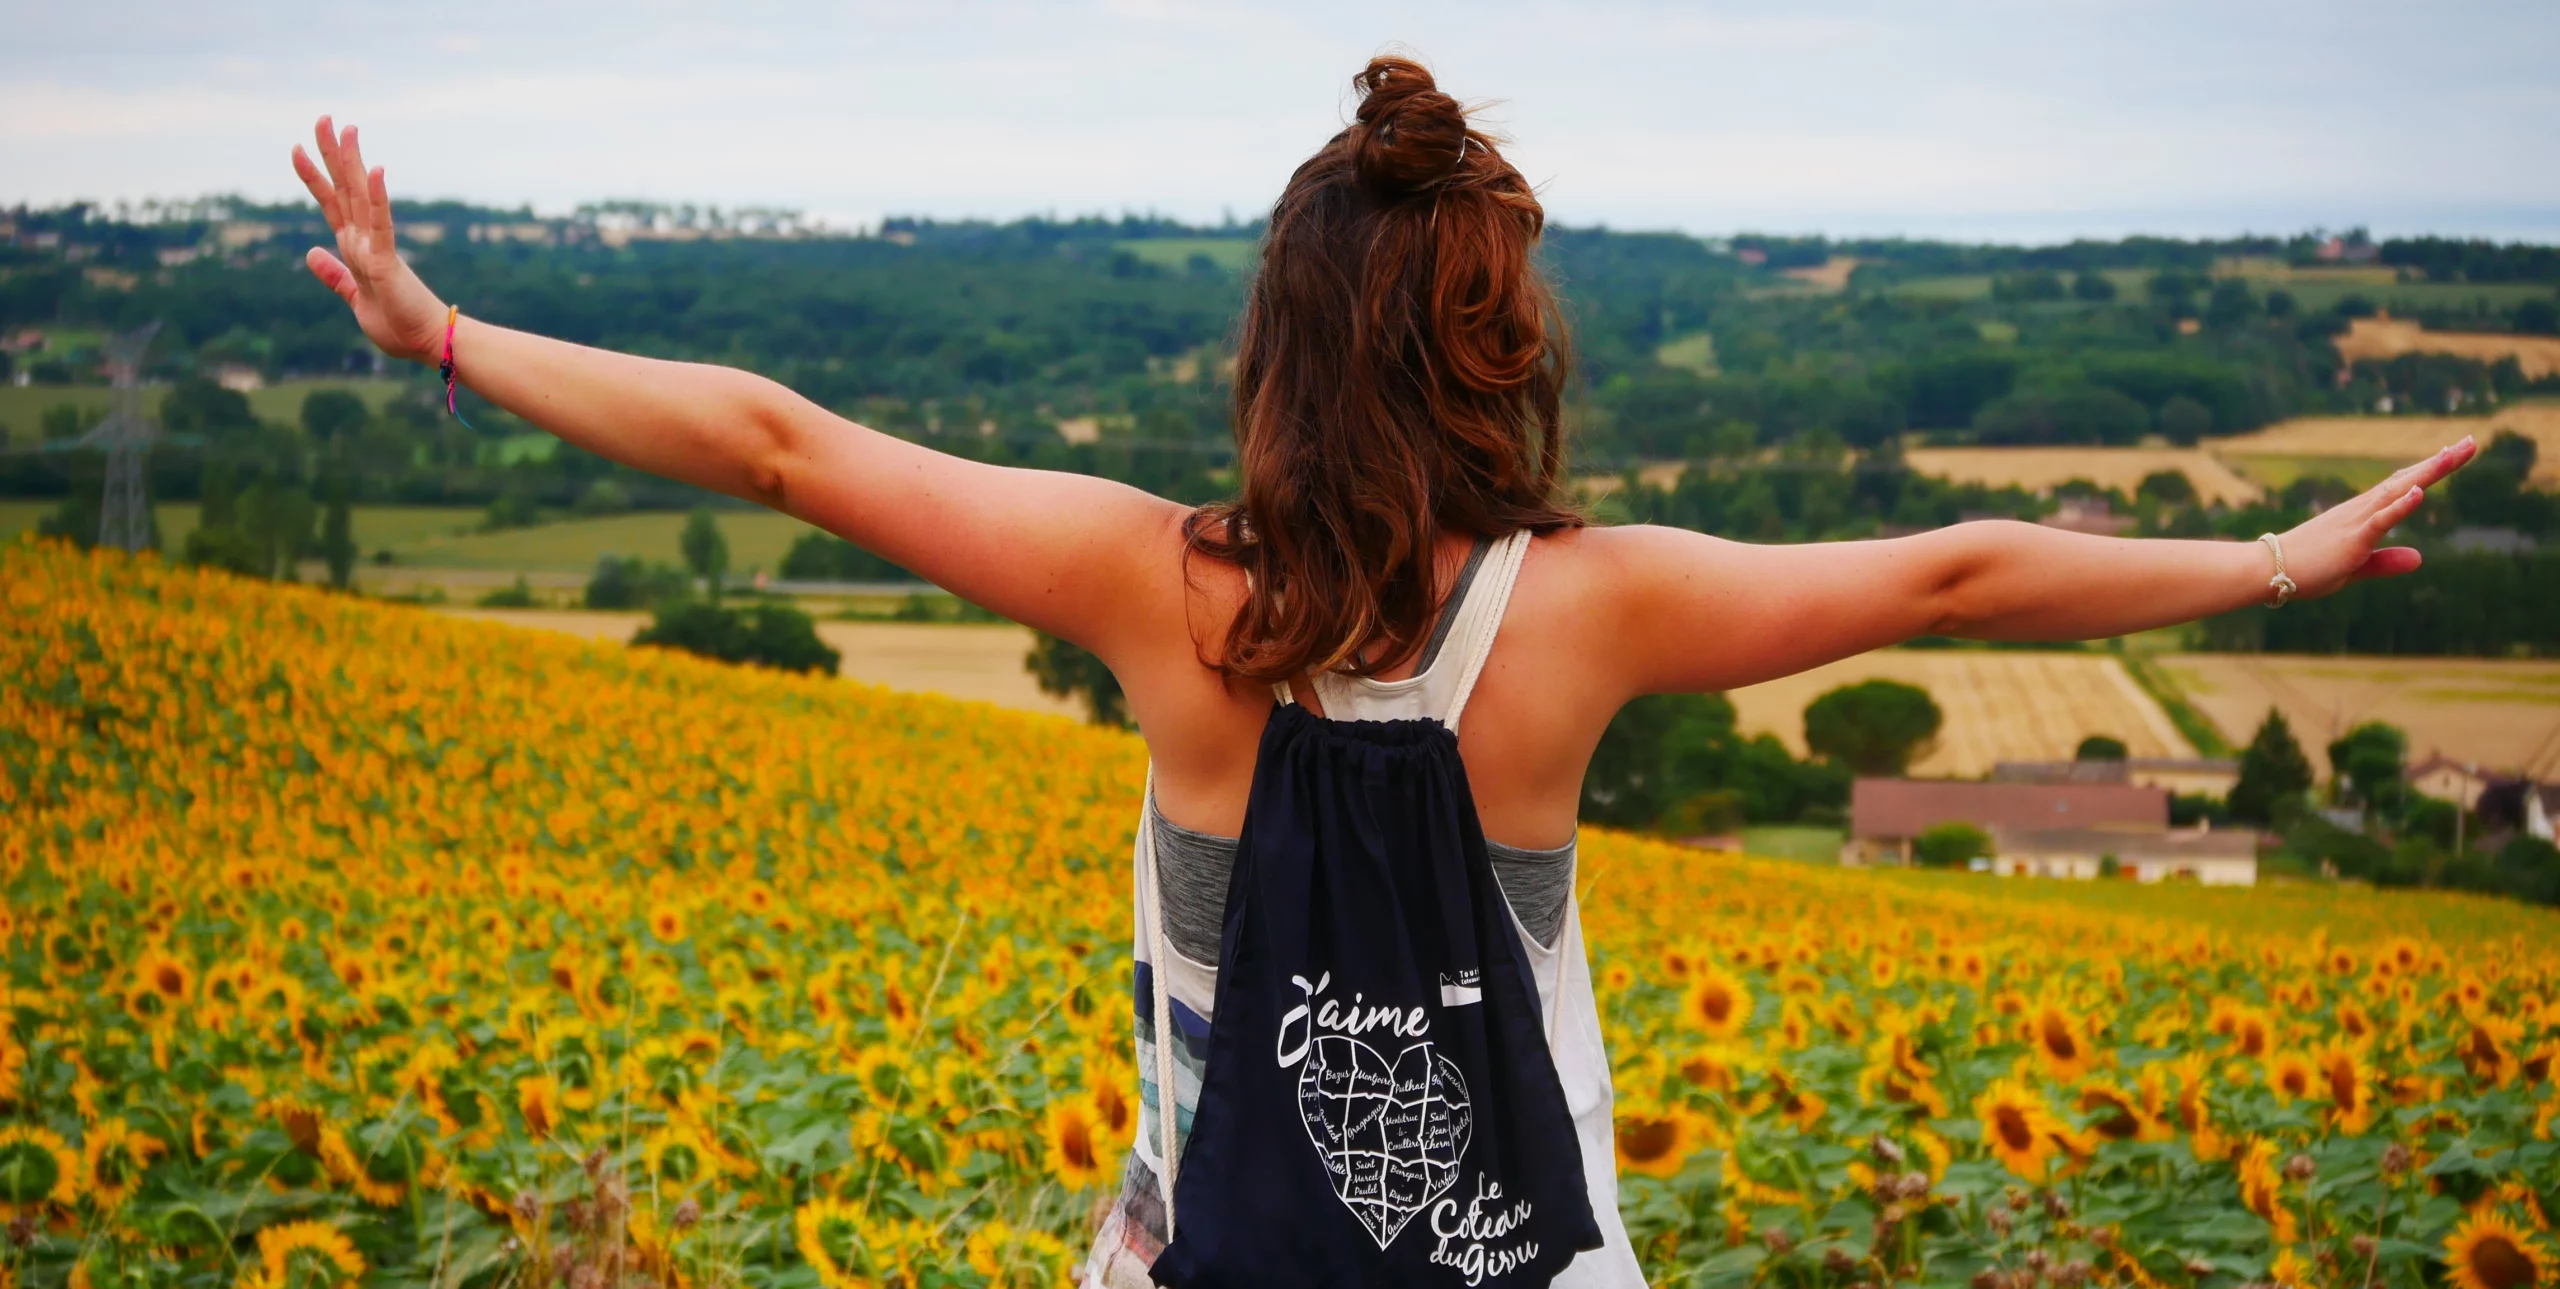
1655	1144
1075	1143
2018	1127
1717	1002
2489	1250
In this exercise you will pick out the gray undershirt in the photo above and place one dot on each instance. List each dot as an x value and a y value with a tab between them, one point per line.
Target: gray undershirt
1192	868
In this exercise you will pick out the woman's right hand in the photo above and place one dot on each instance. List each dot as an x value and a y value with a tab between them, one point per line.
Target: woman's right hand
398	313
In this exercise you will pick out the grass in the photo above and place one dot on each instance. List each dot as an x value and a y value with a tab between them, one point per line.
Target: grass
757	540
1229	253
2317	295
2198	729
1695	353
2275	471
22	407
1808	843
2129	284
377	527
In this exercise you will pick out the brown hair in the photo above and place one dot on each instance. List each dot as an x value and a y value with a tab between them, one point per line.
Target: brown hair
1399	372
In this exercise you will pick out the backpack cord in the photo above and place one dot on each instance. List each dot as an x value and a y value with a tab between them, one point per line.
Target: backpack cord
1159	958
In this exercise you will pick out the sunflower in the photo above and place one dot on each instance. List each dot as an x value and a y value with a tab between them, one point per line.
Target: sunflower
2252	1033
2347	1080
2117	1116
2262	1190
1115	1116
2541	1061
829	1232
670	1155
1797	1105
2061	1041
2490	1251
311	1249
2018	1127
2488	1050
538	1099
2290	1076
1074	1145
1655	1144
165	975
666	922
112	1161
2355	1022
1708	1068
37	1166
1718	1002
2291	1270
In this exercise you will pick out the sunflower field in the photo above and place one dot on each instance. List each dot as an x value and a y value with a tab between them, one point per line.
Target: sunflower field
348	943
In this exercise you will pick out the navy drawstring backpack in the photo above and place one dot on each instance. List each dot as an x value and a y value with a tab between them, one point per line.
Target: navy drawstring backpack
1379	1106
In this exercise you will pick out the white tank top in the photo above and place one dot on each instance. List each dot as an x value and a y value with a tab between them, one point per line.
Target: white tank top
1139	1226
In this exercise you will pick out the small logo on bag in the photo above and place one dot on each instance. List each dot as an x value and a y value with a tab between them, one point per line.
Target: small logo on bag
1461	989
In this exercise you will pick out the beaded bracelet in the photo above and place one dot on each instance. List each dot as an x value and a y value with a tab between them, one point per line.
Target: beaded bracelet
453	313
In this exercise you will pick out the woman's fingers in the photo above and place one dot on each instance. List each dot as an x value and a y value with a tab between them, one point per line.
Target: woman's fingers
2390	561
352	185
325	133
322	189
332	273
378	191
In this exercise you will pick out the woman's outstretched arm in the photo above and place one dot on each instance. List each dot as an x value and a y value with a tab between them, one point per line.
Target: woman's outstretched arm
1700	614
1065	553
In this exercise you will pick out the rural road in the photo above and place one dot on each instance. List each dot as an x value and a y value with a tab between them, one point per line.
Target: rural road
980	662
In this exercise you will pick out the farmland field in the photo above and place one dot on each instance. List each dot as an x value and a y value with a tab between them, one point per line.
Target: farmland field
2503	713
2039	469
2000	705
348	942
978	661
2274	471
757	538
2386	338
2403	438
22	407
376	527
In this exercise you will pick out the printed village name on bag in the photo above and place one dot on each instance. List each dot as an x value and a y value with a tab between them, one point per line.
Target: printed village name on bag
1392	1132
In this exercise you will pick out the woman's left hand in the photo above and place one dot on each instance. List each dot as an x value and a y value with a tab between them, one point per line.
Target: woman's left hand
2338	546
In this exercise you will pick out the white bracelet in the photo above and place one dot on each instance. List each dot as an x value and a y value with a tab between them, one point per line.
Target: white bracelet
2281	586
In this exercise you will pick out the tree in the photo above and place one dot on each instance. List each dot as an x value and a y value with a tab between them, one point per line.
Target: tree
198	406
1677	762
621	583
765	635
2093	286
706	552
1067	670
1873	727
331	414
2272	769
2168	487
2538	318
1950	845
337	526
2368	765
2100	747
2184	420
69	421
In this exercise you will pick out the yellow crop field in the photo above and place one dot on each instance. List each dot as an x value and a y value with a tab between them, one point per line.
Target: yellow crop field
349	943
1999	704
2404	438
2040	469
2502	713
2387	338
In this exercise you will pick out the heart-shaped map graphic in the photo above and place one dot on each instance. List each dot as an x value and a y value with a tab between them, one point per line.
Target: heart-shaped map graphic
1390	1134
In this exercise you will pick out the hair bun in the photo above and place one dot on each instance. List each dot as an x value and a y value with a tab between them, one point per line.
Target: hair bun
1409	135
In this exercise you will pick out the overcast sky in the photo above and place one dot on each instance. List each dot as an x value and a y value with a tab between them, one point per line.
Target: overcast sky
2031	120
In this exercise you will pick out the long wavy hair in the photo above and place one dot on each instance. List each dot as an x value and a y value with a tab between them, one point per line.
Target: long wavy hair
1399	372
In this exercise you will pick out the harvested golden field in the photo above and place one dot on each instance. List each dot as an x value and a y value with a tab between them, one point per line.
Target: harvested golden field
2381	339
2000	705
2403	438
2040	469
2503	713
979	662
1830	275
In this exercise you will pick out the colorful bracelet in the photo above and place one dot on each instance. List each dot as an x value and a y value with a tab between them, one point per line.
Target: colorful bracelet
452	313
